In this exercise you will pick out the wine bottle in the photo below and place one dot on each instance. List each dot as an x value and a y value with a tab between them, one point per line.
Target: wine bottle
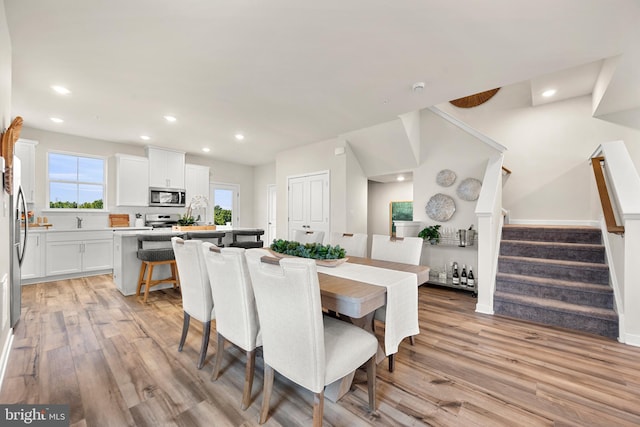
456	277
463	276
471	281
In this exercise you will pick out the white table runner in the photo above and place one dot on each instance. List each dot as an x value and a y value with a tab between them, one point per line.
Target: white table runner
402	298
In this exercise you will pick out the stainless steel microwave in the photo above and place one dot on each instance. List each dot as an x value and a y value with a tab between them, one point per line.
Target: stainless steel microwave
174	197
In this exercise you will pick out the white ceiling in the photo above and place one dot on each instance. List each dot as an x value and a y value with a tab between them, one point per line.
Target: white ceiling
286	72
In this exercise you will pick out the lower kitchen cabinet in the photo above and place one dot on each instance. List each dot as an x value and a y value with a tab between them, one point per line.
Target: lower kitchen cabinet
33	263
78	252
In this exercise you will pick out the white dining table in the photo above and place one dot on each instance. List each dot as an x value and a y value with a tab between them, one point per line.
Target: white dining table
361	285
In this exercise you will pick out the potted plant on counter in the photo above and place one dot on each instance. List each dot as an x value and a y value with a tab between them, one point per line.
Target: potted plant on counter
431	233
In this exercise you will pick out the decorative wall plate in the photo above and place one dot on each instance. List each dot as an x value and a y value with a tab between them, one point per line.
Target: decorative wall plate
469	189
446	177
440	207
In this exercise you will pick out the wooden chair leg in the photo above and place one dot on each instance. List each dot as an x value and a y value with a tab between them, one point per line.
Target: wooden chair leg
412	340
371	383
143	268
219	356
174	275
185	330
392	362
318	408
148	283
248	378
266	393
205	343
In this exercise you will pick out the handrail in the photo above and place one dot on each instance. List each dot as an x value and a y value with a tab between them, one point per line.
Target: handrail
506	171
605	200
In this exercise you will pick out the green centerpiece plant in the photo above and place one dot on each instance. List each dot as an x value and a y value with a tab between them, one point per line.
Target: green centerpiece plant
308	250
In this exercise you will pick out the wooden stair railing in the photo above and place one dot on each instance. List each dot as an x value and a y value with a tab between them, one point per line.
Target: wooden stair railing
506	171
605	200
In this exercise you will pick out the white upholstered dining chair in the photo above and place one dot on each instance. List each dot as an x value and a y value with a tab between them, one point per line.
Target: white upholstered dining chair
297	340
407	250
354	244
308	236
236	315
196	291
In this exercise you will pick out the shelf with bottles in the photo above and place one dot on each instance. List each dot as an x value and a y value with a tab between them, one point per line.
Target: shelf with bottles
453	279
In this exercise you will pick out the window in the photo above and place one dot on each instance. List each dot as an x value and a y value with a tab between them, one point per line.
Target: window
224	199
76	182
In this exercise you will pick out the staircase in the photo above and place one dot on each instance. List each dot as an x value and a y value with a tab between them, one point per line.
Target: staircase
557	276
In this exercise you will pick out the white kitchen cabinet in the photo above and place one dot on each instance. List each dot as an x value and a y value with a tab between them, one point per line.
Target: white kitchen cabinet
78	252
196	181
33	263
25	150
166	168
132	180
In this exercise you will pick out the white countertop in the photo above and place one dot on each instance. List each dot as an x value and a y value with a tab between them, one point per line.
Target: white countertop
65	230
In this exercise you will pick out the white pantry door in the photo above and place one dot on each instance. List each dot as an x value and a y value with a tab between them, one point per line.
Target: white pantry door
309	197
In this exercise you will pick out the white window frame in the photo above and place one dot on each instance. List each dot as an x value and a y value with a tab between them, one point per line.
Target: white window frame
104	183
235	209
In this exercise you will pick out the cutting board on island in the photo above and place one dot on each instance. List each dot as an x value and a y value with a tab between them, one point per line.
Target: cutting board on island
193	227
118	220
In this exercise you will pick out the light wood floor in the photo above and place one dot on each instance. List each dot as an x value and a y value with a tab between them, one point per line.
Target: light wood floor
115	361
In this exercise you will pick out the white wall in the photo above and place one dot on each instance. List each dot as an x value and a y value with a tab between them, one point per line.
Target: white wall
232	173
219	172
356	196
5	241
311	158
548	147
445	146
380	195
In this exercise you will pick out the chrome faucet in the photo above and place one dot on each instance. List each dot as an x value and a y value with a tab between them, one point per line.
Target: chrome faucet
78	222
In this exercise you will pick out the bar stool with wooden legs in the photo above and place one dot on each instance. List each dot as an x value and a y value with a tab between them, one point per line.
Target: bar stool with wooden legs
151	257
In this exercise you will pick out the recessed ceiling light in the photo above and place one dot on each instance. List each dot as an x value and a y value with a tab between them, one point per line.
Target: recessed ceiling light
400	178
61	90
549	92
145	137
206	149
170	119
239	136
56	119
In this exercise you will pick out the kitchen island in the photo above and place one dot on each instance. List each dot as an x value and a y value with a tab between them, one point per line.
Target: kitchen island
126	265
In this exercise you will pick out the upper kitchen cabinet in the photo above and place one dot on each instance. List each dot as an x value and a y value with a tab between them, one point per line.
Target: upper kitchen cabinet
25	150
196	181
166	168
132	180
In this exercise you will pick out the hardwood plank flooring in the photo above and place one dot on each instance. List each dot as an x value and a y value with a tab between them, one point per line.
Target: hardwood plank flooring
115	361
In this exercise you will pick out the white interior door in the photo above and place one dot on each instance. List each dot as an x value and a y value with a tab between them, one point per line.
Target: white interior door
271	215
309	197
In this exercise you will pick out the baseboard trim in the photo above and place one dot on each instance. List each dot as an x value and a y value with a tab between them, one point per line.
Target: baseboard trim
632	339
484	309
567	222
4	360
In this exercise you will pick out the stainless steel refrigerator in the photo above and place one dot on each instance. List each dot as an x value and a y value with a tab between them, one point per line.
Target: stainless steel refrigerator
19	232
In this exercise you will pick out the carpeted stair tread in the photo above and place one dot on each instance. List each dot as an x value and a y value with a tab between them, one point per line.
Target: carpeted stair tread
560	262
561	306
574	292
553	250
546	281
552	233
